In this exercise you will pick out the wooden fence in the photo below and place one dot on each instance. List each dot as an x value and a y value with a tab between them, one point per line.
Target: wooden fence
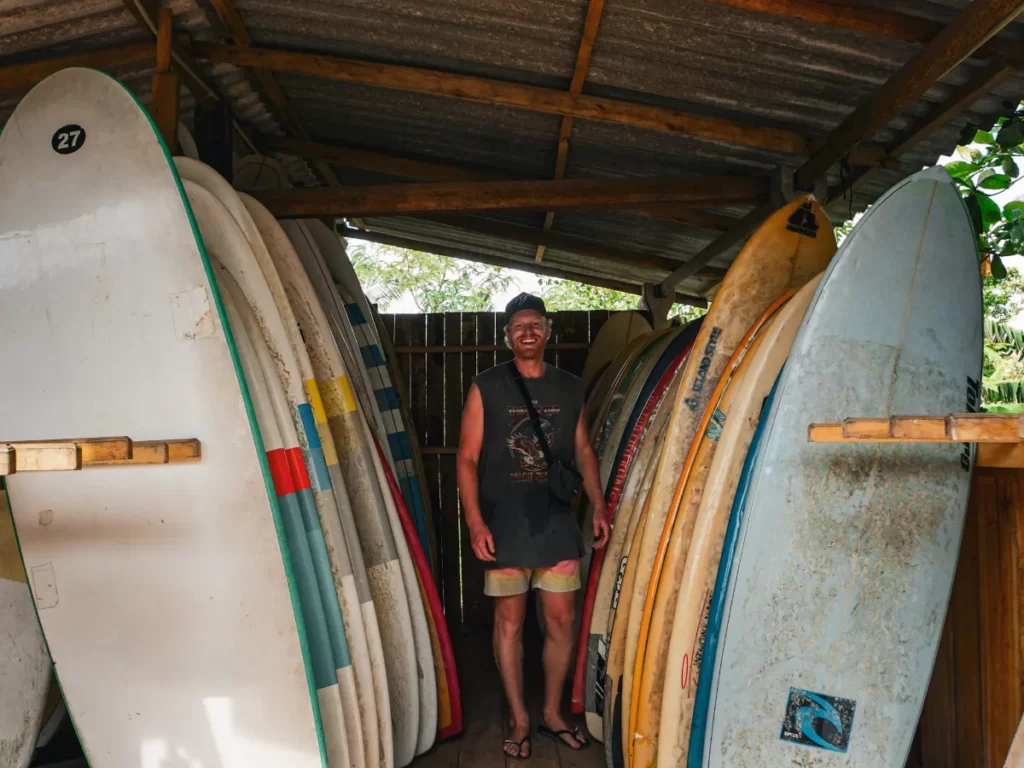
438	356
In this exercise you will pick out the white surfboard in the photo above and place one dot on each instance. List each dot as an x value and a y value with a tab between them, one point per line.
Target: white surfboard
847	552
24	663
328	643
359	459
162	591
332	388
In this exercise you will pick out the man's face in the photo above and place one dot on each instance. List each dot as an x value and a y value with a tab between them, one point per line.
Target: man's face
527	334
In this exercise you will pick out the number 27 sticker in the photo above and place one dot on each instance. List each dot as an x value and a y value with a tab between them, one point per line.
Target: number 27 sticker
68	139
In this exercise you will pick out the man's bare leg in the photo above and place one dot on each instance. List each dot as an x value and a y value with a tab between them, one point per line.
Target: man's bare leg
509	613
559	620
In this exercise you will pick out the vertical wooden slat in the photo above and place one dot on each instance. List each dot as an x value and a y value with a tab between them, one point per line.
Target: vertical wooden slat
575	329
503	353
434	378
1000	664
449	514
400	338
476	607
598	317
937	735
970	750
418	378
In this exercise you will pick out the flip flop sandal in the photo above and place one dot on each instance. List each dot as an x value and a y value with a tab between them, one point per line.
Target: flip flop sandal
519	748
574	733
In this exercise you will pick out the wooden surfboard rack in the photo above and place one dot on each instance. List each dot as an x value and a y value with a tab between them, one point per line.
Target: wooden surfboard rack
1000	437
82	453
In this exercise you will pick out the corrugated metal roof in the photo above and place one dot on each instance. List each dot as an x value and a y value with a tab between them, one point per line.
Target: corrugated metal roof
694	55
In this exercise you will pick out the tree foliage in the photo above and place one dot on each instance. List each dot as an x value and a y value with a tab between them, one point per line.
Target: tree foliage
560	295
436	283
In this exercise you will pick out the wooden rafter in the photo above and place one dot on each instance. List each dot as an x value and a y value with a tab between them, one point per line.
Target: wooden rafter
962	98
146	13
579	75
855	16
975	25
528	97
566	194
501	261
14	77
420	170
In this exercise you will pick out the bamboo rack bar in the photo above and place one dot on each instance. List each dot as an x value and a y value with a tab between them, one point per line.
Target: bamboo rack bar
954	428
81	453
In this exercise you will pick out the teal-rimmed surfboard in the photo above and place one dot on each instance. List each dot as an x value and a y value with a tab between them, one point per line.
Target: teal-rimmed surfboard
164	593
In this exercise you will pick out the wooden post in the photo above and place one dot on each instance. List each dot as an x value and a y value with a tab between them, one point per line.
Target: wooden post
166	84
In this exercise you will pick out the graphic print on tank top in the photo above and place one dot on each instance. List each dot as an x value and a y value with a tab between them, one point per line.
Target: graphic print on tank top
523	443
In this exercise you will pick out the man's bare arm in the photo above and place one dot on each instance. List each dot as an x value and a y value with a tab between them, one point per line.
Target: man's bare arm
467	466
586	460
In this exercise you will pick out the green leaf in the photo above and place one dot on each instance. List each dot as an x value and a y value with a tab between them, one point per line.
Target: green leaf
1013	211
996	181
990	212
964	153
968	132
998	268
974	209
1011	134
959	170
984	137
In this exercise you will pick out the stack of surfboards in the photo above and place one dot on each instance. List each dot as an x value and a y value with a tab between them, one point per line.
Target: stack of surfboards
764	600
273	604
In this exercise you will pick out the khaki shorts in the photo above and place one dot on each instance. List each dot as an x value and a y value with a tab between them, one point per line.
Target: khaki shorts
506	582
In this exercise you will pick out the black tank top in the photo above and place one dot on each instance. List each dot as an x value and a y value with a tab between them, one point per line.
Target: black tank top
531	529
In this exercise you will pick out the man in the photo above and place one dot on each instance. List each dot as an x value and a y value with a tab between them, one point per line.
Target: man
527	536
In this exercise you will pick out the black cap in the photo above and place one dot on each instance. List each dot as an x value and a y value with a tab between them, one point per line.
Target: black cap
525	301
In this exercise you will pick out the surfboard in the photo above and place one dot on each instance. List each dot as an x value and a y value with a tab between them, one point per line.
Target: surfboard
24	663
754	380
386	568
694	472
723	581
615	334
602	578
361	316
449	695
110	289
338	401
240	248
290	480
794	244
847	552
596	405
666	353
318	346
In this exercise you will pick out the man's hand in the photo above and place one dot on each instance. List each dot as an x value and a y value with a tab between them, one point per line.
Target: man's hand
483	541
601	528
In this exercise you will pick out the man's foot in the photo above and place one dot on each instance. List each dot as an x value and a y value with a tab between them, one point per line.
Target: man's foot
517	745
555	727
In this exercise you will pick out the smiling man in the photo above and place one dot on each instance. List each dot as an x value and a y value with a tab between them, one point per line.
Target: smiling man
520	455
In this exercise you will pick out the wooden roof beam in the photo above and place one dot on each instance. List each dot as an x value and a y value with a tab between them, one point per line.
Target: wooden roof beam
529	97
402	167
566	194
501	261
853	16
961	99
579	75
14	77
975	25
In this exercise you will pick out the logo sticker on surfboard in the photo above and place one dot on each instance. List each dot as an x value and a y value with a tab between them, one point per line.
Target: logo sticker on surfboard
818	720
803	221
68	139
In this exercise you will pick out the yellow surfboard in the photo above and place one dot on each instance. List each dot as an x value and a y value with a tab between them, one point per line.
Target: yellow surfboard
793	245
747	392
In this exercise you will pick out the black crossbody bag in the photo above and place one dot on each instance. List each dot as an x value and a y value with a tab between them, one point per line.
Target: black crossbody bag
564	481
